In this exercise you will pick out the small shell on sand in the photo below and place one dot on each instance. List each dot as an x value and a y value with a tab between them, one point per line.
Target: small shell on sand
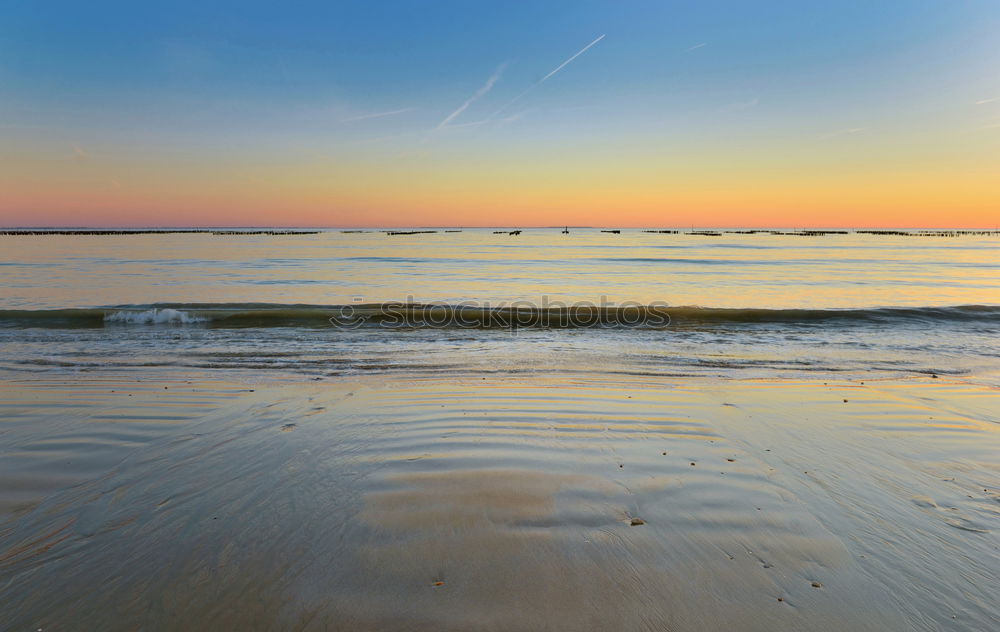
636	522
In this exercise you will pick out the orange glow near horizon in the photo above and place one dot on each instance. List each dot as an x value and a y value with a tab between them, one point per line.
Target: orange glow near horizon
642	192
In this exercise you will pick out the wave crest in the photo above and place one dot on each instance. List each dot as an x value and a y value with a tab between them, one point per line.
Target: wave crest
155	316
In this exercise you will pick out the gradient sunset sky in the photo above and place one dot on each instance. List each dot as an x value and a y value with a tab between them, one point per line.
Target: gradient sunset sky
725	113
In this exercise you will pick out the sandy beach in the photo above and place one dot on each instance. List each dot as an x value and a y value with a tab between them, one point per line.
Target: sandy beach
501	503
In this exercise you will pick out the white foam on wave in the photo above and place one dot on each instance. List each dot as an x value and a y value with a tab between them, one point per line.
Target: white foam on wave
165	316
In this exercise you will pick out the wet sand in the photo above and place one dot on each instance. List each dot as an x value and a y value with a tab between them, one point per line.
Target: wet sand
498	503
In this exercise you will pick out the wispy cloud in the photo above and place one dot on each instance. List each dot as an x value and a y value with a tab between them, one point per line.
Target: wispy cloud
842	132
414	135
741	105
476	96
469	124
506	119
375	115
546	77
695	47
985	101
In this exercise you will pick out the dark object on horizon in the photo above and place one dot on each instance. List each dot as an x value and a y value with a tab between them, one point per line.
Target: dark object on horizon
263	232
171	231
808	233
928	233
615	231
154	231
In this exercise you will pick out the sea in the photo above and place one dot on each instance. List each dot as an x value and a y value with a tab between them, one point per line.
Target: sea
728	303
499	429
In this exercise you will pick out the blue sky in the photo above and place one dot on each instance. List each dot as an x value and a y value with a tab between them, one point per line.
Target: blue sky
379	57
127	79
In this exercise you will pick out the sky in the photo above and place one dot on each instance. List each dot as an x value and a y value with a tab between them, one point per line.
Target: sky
475	113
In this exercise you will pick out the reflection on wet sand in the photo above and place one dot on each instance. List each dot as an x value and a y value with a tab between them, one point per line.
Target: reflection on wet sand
500	503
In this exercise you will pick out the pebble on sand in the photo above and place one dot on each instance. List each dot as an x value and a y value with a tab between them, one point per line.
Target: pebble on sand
636	522
817	585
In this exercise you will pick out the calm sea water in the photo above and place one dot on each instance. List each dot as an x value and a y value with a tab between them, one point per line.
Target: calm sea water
741	304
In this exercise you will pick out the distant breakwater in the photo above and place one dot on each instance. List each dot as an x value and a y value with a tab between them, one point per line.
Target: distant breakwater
704	233
153	231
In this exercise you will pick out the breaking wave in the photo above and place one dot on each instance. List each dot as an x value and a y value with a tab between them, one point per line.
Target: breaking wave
155	316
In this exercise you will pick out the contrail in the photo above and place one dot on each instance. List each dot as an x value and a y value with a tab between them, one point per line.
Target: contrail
543	79
563	65
365	117
479	93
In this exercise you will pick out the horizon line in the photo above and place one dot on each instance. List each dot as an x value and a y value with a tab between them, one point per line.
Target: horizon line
995	227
